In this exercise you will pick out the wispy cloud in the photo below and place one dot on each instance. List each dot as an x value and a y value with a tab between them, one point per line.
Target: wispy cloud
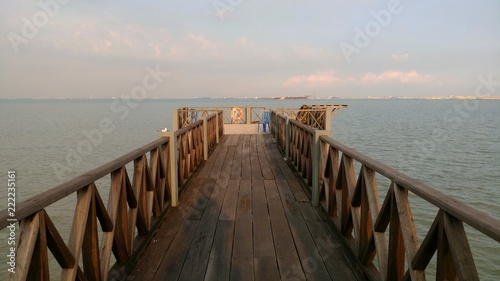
396	75
321	79
400	57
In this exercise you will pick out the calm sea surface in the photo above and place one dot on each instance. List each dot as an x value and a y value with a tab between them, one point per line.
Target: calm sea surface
452	145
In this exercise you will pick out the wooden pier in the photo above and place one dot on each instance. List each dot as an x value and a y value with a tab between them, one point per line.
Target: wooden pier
292	204
245	216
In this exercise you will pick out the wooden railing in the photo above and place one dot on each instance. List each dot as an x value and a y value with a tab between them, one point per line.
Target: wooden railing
317	116
278	123
120	230
384	236
250	115
189	143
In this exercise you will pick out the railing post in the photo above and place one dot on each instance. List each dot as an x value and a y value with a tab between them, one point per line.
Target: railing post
172	166
328	118
205	138
316	165
216	127
175	120
287	137
249	114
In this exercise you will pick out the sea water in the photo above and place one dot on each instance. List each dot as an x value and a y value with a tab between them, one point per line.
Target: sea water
451	145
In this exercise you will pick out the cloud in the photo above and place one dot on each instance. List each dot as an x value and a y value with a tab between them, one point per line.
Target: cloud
321	78
242	41
400	57
395	75
201	41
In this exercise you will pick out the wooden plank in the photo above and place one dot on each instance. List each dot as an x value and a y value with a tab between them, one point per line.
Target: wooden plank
242	259
219	162
232	140
262	234
235	140
298	192
266	268
408	231
151	259
254	159
171	265
459	248
243	227
78	229
236	168
269	145
39	266
288	260
57	245
228	163
338	263
313	266
242	269
197	258
198	204
228	211
28	235
219	264
207	167
246	169
90	251
266	169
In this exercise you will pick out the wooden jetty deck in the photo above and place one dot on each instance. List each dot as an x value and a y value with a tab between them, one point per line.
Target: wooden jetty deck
201	204
245	216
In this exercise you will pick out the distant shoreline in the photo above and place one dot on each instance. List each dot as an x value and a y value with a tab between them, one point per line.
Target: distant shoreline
268	98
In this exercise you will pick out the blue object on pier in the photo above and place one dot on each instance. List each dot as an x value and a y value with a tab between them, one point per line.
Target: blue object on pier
264	121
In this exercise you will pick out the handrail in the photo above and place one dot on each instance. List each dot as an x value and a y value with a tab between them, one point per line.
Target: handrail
318	116
44	199
135	207
467	214
352	203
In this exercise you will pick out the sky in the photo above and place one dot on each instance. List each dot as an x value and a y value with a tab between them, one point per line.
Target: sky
247	48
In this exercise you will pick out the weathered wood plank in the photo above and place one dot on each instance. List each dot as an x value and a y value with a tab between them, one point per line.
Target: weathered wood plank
262	236
314	267
217	168
39	266
246	169
288	259
242	259
150	261
243	227
236	168
329	249
197	206
209	164
297	191
228	211
78	228
266	268
254	159
197	258
266	169
219	264
228	164
171	265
